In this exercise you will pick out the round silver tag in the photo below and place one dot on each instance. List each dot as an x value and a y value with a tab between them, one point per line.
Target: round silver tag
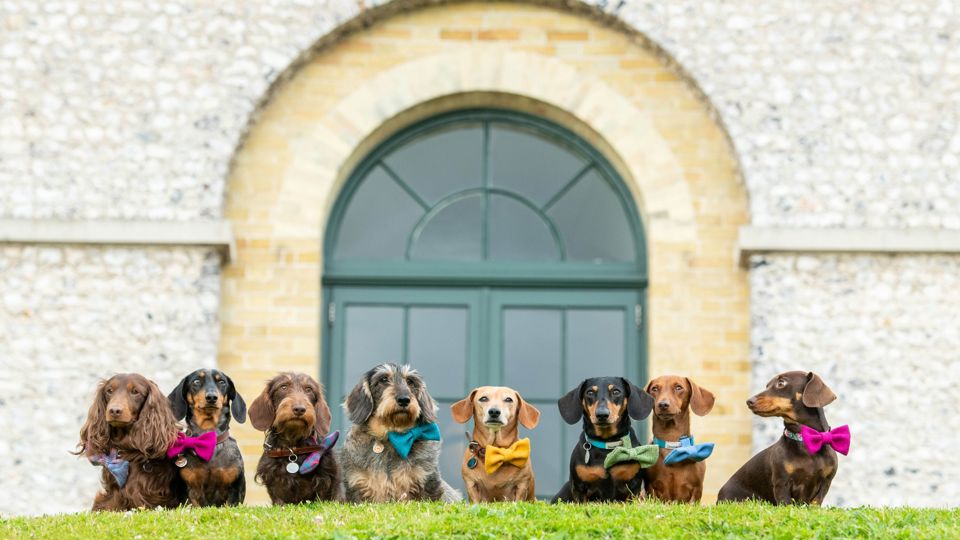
181	462
377	447
292	467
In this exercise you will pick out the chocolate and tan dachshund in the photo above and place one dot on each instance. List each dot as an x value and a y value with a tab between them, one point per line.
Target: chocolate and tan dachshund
128	430
679	478
789	472
298	463
208	457
607	461
496	463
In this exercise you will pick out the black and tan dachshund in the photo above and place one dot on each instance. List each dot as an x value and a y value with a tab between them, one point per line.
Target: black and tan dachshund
206	398
787	472
607	461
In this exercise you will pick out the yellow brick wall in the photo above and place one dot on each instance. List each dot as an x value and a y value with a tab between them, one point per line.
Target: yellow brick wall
599	82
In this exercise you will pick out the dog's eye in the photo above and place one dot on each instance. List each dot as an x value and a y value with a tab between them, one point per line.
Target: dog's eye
134	392
196	382
615	392
222	382
781	383
384	379
678	388
655	389
283	387
508	400
484	399
309	390
411	382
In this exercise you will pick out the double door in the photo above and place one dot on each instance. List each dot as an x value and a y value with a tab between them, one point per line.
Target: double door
541	342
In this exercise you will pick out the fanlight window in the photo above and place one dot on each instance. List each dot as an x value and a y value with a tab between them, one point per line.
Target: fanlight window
485	187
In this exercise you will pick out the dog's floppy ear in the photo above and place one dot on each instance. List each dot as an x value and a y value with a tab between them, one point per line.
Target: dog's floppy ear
528	415
639	403
238	407
701	399
95	433
428	408
262	413
463	409
570	407
816	393
323	415
178	400
156	427
359	404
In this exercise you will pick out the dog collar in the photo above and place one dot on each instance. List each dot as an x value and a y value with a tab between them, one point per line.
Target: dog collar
609	445
686	440
792	436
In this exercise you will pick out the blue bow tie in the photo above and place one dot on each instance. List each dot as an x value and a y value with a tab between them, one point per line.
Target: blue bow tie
685	450
119	468
403	442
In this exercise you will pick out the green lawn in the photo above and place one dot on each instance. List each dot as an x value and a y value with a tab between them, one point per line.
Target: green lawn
538	520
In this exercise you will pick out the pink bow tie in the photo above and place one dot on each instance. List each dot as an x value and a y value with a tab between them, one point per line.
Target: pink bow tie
202	445
837	438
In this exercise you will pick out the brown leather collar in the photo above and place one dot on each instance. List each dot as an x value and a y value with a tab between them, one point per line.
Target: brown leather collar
478	449
220	436
295	451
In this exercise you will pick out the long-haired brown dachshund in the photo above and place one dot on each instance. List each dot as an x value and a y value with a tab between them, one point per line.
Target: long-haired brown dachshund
678	474
496	464
128	430
297	464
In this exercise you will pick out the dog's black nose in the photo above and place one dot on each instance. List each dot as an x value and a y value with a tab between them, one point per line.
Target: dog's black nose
403	401
663	404
493	413
211	398
752	401
114	411
299	410
603	415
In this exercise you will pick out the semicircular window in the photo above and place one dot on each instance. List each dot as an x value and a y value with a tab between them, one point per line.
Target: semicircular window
486	187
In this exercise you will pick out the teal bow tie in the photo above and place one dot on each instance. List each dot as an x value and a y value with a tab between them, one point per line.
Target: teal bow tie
403	442
684	450
645	455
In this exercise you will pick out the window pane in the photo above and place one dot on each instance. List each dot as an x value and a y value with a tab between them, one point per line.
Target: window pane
550	459
377	201
454	443
438	349
374	335
531	352
592	222
595	344
517	233
454	233
441	162
525	162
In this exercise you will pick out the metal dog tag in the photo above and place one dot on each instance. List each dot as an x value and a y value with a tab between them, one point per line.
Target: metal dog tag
586	452
181	461
471	463
292	467
377	448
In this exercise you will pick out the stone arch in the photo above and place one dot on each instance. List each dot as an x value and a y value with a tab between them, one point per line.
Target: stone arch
572	65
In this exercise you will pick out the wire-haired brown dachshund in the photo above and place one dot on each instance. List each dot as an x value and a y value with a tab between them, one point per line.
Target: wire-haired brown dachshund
800	466
208	457
606	464
128	430
678	474
298	463
392	452
496	464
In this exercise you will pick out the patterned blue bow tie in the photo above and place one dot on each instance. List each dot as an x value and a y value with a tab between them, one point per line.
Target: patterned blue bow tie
119	468
684	450
311	462
403	442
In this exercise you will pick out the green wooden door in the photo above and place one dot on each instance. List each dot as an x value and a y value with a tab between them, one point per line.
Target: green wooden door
486	247
540	342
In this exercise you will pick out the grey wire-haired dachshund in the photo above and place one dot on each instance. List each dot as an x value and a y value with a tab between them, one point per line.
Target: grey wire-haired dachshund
393	450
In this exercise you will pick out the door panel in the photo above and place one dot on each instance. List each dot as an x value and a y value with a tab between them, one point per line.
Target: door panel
541	342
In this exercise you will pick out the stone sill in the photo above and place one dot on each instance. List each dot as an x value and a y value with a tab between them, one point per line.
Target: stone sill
216	234
761	240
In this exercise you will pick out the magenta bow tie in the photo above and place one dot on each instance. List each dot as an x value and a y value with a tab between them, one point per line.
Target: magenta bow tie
202	445
837	438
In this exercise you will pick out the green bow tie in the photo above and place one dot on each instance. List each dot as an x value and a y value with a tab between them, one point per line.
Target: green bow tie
646	455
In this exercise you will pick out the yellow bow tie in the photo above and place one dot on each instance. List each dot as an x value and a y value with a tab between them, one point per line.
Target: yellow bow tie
516	455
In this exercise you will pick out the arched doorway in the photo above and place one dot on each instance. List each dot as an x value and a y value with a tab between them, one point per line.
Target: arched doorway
486	247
